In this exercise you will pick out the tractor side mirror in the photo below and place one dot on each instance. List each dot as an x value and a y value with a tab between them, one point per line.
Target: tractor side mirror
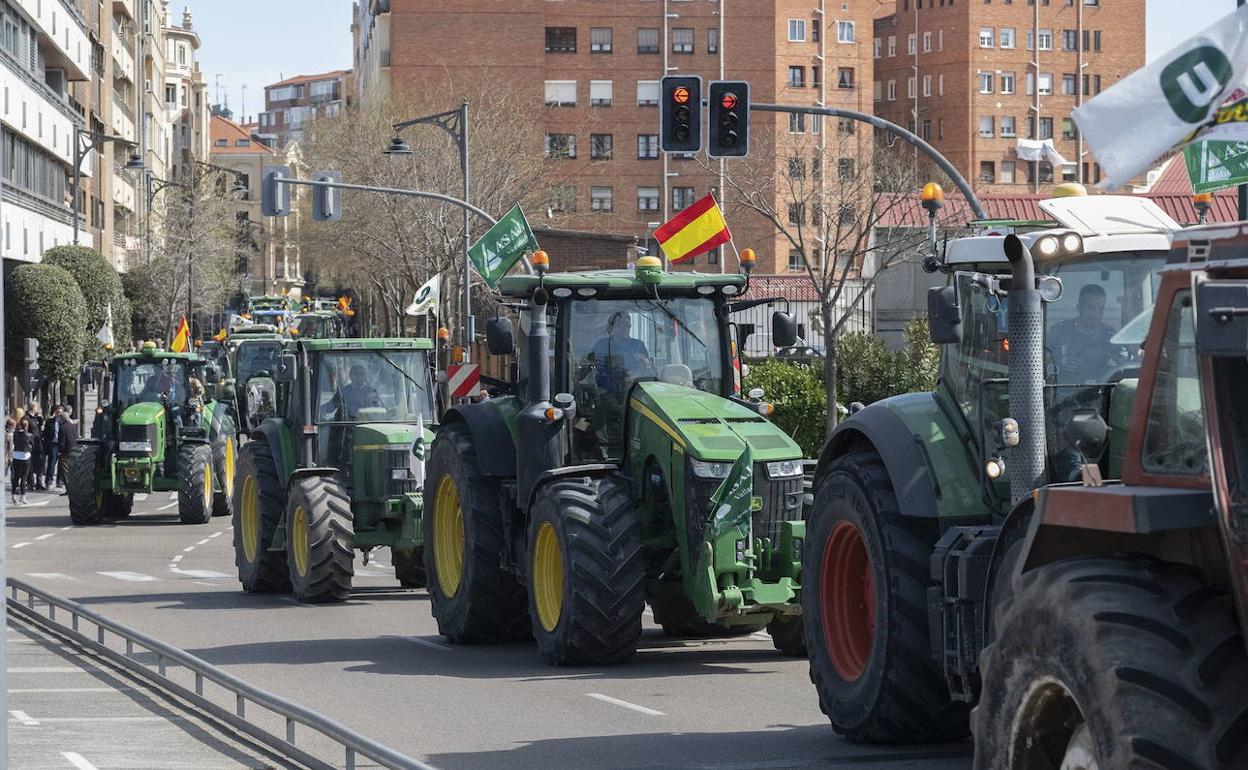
287	368
1087	432
783	330
499	339
944	322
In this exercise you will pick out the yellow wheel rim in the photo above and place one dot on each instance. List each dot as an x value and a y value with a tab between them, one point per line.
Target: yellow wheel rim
207	485
448	537
227	483
299	539
249	518
548	576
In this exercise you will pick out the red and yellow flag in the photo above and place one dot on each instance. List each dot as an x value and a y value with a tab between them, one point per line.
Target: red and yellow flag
694	231
182	338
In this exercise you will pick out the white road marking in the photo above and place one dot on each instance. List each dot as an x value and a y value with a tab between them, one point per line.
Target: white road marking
624	704
141	496
78	761
429	643
167	506
21	545
47	670
66	529
202	542
36	505
178	558
173	495
50	576
45	536
133	577
188	549
198	573
202	583
111	719
216	534
766	637
24	718
35	690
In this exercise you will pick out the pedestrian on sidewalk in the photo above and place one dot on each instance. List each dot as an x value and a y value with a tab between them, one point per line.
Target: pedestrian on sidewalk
9	425
68	442
34	478
51	447
21	460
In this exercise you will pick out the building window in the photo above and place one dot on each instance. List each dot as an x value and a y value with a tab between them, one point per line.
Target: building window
600	39
561	40
912	44
987	171
1070	40
892	90
926	133
601	199
892	45
1005	37
927	85
1096	41
1046	128
242	142
986	127
797	30
648	40
712	256
1068	129
927	42
1046	172
1008	83
712	40
846	125
647	199
1045	38
795	260
561	146
601	93
987	37
875	48
797	77
816	124
845	77
797	214
1007	126
797	123
1045	84
940	84
1068	85
171	95
910	87
647	93
845	169
844	32
1096	84
682	40
682	198
560	93
815	76
797	168
985	82
647	146
601	146
563	198
877	90
940	128
1007	172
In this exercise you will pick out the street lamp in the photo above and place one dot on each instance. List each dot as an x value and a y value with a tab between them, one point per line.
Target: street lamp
455	123
84	142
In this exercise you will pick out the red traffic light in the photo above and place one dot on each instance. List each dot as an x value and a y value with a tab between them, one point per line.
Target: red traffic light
729	101
680	94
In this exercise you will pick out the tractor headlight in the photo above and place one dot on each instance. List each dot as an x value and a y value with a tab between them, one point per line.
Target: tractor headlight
707	470
785	469
398	474
134	446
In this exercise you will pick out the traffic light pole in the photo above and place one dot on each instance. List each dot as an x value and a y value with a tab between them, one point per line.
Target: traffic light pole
467	207
909	136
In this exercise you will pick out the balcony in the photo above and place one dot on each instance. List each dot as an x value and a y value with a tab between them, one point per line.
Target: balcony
124	192
123	55
125	8
123	118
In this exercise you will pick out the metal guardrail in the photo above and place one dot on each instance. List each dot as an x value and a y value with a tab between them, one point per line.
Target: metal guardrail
353	744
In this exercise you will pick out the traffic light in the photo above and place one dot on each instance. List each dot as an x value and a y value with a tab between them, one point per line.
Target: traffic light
327	201
274	196
728	104
680	113
29	374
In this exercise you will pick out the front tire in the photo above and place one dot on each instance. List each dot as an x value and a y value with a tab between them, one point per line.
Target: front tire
320	534
586	572
1113	663
474	600
257	512
86	500
195	484
786	636
224	459
864	602
409	567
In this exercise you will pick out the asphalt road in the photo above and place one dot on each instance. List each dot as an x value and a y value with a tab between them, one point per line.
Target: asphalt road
377	664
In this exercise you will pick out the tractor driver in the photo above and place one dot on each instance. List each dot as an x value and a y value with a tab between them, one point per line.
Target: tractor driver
357	394
1081	345
160	386
618	357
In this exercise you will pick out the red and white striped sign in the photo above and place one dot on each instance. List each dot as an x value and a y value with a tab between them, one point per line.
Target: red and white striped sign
463	380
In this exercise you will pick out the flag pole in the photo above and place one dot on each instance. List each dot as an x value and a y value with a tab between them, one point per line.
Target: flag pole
1243	188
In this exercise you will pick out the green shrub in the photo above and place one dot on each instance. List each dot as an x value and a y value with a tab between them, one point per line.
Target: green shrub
799	396
101	289
868	370
44	302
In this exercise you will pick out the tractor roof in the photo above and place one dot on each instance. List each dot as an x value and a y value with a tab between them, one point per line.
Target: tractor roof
1217	247
148	354
621	283
372	343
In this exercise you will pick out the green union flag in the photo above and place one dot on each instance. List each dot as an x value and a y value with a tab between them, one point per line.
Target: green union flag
734	499
502	246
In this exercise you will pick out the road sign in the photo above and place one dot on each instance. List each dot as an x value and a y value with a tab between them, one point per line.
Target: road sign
274	196
463	380
502	246
327	201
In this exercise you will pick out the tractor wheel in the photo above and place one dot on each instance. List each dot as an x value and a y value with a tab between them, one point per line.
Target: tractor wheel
195	484
86	500
1109	663
118	506
864	600
257	512
320	535
678	618
224	455
409	567
786	635
586	572
474	600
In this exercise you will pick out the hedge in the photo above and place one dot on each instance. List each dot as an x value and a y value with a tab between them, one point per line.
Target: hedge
44	302
101	288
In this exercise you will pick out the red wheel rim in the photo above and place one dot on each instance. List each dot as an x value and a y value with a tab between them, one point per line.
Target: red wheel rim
848	589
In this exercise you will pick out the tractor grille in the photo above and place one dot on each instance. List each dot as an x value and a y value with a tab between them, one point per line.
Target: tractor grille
137	433
396	459
782	501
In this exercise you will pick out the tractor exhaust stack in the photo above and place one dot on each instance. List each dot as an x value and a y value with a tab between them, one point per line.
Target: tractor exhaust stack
1026	334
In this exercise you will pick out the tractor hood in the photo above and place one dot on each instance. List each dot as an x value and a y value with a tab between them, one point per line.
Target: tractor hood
146	413
710	427
388	433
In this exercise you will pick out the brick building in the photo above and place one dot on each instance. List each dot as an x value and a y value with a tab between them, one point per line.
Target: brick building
984	79
591	72
292	103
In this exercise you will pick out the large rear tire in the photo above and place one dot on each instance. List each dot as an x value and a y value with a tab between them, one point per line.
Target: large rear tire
86	501
586	572
224	460
864	597
258	509
474	600
1110	663
320	535
195	484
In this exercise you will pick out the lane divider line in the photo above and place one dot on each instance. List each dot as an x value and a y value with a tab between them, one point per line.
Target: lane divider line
133	577
20	545
625	704
188	549
66	529
78	761
167	506
216	534
24	718
202	542
45	536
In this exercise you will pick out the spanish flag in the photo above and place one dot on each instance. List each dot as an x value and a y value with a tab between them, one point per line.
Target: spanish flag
694	231
182	338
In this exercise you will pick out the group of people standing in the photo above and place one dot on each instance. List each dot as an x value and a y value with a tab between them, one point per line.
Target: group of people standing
37	448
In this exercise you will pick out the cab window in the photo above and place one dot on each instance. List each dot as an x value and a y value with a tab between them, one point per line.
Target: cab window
1174	436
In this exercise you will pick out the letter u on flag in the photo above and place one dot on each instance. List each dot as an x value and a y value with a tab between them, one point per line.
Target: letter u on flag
694	231
182	338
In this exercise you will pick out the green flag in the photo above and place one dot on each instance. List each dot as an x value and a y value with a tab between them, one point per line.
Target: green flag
734	500
1215	165
502	246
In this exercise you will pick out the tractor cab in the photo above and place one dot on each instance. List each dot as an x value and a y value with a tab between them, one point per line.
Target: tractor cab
255	356
316	325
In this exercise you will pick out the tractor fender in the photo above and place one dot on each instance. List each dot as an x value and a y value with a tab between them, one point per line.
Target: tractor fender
307	473
492	438
878	427
284	452
594	470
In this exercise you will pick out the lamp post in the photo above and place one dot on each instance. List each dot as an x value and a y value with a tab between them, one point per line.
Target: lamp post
84	142
455	123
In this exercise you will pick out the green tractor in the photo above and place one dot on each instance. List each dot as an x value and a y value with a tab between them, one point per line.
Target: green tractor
600	477
338	467
150	435
254	352
923	501
318	325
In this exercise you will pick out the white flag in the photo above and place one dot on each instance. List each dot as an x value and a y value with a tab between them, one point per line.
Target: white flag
419	450
426	297
1164	105
105	334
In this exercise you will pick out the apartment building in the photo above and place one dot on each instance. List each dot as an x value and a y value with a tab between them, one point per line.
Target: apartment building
186	99
233	147
992	83
590	71
291	104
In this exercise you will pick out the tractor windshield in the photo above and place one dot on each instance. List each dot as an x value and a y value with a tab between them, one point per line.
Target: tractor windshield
373	386
161	381
311	327
256	358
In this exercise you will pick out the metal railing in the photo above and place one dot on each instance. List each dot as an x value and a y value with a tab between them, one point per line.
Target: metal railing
28	601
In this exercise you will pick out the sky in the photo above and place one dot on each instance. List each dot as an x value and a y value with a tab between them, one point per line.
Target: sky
254	43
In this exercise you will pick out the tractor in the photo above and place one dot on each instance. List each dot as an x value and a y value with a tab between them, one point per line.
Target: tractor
929	512
318	325
597	478
254	351
338	467
148	436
